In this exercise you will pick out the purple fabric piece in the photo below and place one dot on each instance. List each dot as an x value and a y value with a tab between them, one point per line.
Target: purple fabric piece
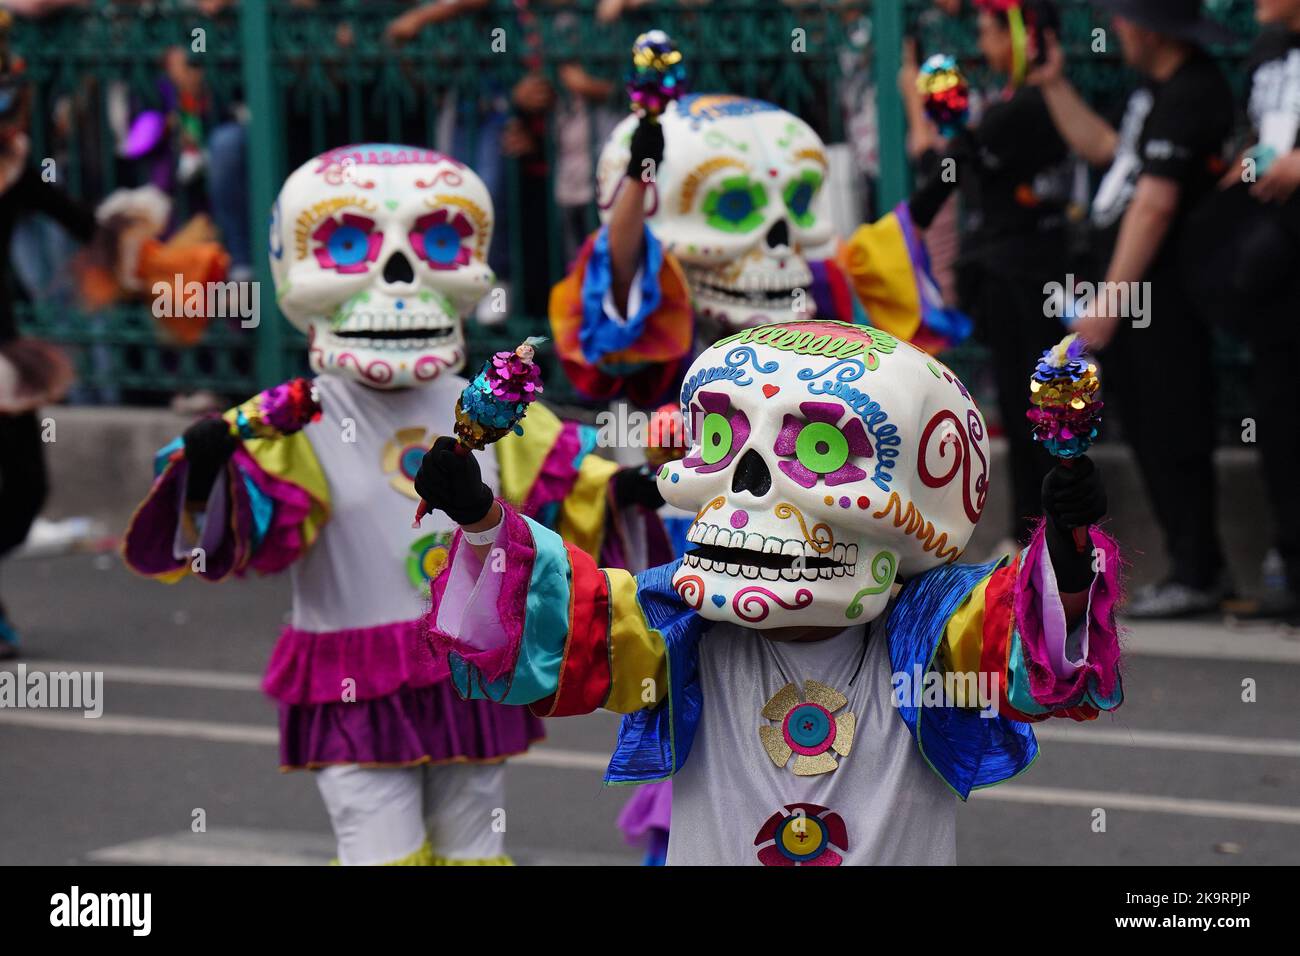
283	543
1103	650
149	543
555	479
651	808
821	292
309	667
515	541
147	546
414	725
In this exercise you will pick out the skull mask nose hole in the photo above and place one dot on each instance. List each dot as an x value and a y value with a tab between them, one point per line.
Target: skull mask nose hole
398	269
752	475
778	235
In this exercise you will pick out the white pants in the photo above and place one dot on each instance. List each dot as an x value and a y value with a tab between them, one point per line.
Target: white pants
381	815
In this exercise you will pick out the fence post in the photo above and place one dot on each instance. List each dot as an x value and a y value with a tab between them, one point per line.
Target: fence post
264	177
887	41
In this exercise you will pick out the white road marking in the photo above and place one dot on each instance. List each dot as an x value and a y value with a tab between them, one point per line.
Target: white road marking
143	726
1170	740
238	846
153	676
1140	802
1209	641
583	760
205	730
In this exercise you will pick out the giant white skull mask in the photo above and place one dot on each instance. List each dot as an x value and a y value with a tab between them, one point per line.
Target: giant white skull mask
825	460
377	252
738	200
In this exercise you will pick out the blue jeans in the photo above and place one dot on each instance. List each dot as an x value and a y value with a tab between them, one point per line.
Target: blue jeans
228	191
477	142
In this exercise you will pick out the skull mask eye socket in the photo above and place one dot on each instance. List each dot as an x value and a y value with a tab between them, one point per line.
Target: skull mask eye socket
440	238
821	449
736	205
722	433
799	194
347	244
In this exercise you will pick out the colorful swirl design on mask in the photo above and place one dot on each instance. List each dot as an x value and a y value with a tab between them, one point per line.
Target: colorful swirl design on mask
750	604
821	539
717	502
961	439
691	590
883	566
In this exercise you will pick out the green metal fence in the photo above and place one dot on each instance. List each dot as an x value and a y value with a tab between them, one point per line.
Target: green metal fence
314	76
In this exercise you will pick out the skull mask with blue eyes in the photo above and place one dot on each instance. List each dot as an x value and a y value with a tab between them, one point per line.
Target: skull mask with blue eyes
825	460
738	200
377	252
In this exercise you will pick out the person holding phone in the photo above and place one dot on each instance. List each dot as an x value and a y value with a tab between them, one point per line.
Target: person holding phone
1012	170
1164	158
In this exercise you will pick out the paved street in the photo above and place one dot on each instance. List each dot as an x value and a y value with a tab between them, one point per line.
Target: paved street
1187	772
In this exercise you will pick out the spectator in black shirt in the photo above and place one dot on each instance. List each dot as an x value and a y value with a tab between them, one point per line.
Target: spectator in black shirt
1013	175
1242	255
1167	154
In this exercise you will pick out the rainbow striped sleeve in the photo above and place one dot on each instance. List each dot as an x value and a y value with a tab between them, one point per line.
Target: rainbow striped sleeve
263	513
538	623
1008	641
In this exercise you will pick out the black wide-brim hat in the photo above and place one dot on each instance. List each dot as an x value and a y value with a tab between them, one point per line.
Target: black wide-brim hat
1183	19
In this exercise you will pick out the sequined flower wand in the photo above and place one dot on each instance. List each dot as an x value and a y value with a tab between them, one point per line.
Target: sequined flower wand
945	93
1066	413
493	404
657	76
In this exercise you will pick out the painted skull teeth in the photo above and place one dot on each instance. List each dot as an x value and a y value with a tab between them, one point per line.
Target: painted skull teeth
398	330
750	555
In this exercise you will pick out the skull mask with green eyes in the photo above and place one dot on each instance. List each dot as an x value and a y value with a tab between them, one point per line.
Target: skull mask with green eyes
825	460
738	200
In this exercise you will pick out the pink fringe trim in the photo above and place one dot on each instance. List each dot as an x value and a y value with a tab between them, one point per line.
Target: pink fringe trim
1103	633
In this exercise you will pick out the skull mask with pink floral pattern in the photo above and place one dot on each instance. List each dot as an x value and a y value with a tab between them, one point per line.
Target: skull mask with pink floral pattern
377	252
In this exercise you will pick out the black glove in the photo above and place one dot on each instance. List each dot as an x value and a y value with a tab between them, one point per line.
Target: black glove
208	446
647	143
637	486
1073	497
452	483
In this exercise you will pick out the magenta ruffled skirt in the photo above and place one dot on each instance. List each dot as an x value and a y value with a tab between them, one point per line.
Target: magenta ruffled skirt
401	709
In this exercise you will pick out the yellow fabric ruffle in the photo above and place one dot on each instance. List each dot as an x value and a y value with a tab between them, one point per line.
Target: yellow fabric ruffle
963	640
582	513
291	458
520	457
425	856
636	650
485	861
879	267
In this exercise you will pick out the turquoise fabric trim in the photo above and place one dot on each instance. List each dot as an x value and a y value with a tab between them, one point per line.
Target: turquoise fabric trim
588	438
262	508
161	456
546	625
1021	698
241	423
549	514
